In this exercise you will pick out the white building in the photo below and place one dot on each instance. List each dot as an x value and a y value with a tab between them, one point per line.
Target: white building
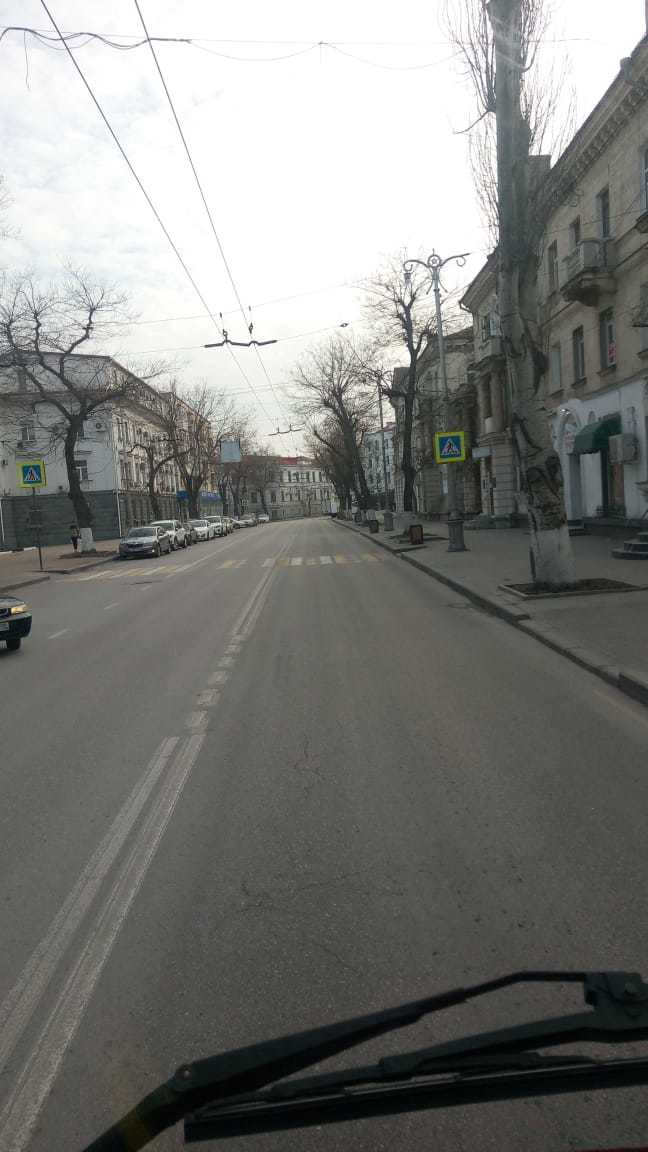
299	488
372	458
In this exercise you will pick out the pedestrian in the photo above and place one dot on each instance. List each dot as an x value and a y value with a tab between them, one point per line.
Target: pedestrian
74	536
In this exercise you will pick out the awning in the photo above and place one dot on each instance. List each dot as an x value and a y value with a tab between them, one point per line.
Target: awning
594	437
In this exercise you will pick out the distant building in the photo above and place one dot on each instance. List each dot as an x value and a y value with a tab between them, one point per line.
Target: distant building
297	487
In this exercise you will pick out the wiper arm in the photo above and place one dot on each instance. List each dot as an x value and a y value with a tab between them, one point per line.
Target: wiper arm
621	1007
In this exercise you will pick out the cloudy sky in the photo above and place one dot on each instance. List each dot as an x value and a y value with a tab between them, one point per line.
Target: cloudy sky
326	135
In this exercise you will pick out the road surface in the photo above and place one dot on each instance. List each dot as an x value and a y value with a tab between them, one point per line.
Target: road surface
282	778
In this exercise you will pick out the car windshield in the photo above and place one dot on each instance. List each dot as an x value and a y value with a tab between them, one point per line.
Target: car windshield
390	292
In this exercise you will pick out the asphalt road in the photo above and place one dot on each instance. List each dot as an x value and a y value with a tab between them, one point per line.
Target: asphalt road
279	779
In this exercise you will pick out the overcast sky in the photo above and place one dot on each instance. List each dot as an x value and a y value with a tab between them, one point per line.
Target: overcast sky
313	166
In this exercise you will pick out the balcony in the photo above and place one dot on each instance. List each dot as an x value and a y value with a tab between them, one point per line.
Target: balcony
588	272
489	354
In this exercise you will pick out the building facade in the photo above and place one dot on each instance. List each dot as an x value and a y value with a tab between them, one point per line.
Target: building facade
593	294
376	470
297	487
110	455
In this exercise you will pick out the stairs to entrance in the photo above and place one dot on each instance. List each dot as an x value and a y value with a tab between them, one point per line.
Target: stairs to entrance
636	549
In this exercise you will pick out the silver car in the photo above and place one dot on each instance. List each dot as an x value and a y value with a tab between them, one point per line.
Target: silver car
149	540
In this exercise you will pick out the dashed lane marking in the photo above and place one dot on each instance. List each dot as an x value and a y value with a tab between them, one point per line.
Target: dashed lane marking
196	720
218	677
55	635
208	697
115	604
295	561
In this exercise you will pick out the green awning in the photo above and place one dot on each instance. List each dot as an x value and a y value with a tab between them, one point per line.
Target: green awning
594	437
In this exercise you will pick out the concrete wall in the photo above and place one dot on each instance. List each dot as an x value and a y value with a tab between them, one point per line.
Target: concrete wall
58	514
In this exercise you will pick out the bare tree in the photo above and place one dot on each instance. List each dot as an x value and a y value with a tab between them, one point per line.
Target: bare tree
158	452
42	333
326	446
231	476
262	470
401	316
331	384
193	420
499	40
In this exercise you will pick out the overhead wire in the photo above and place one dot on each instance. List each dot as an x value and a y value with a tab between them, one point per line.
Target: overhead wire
203	198
148	199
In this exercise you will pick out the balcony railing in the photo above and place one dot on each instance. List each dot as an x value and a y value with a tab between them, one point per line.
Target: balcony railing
588	272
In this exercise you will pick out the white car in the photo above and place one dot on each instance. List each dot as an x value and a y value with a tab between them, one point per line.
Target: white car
263	518
218	525
176	531
203	529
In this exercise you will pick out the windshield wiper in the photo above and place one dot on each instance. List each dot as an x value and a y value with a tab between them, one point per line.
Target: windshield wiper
223	1095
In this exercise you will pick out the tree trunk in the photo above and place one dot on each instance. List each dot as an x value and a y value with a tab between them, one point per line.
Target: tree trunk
407	466
154	497
550	551
82	510
193	496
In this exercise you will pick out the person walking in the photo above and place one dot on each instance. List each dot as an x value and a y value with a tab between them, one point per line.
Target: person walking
74	536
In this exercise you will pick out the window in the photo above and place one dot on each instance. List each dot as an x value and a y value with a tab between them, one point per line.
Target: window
82	469
578	352
607	339
555	368
273	497
552	266
603	201
27	432
283	496
320	476
575	232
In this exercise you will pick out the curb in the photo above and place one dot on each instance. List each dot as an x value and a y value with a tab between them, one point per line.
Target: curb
24	583
84	567
631	683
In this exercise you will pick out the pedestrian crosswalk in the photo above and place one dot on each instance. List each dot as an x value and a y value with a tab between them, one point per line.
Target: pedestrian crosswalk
167	571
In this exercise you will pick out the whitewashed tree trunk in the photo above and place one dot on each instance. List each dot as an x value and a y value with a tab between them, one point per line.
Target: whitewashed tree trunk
87	540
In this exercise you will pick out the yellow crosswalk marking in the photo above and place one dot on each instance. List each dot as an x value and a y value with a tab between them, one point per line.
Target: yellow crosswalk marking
369	557
227	564
340	559
311	560
283	561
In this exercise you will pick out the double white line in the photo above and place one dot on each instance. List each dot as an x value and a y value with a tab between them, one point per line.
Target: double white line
171	765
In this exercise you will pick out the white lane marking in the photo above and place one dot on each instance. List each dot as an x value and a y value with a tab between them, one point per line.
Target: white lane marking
19	1005
55	635
226	662
115	604
311	561
269	563
34	1084
295	561
237	640
233	649
208	698
326	559
217	678
240	563
340	558
181	568
196	720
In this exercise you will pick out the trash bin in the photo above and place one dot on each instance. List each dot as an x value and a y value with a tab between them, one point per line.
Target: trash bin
373	526
416	533
358	517
388	521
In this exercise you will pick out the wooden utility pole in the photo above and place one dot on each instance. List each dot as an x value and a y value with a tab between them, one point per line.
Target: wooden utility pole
541	475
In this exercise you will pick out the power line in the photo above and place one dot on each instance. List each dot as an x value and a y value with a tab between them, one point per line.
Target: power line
203	197
145	194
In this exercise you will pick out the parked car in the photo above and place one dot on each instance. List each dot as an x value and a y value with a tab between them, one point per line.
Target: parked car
203	529
192	535
217	524
229	524
249	520
15	621
238	522
176	530
148	540
263	518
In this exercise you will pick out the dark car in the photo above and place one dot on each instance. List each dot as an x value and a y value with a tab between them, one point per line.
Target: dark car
149	540
15	621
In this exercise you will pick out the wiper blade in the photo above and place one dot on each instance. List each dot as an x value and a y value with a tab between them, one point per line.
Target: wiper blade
621	1007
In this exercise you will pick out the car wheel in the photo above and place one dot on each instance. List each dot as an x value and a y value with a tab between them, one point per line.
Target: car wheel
157	550
14	644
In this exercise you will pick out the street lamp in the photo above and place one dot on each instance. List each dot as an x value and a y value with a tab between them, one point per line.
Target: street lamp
433	265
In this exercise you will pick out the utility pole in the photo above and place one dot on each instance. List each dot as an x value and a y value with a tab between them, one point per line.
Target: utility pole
382	443
434	264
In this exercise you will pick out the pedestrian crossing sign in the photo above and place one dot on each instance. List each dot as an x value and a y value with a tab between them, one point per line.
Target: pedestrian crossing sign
31	473
449	447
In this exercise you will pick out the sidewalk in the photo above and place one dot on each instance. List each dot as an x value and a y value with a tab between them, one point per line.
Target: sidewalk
20	569
604	632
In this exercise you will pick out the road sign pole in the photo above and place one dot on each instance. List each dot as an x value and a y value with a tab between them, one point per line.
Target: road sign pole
35	518
456	541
